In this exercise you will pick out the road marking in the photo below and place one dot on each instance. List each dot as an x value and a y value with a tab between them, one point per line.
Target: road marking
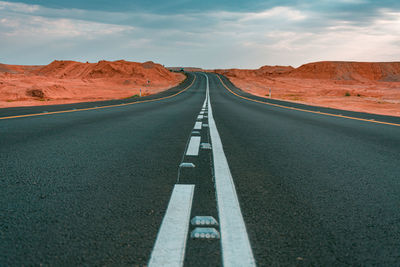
169	249
205	233
197	125
236	249
193	147
205	103
200	117
309	111
101	107
205	146
186	165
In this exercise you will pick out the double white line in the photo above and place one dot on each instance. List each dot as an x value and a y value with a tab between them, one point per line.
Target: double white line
170	245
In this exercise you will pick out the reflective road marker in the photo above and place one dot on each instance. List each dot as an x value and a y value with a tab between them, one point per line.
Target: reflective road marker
235	244
169	249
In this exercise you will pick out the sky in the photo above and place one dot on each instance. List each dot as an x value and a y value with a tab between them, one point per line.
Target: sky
208	33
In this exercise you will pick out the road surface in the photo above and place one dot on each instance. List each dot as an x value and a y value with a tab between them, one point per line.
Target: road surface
103	186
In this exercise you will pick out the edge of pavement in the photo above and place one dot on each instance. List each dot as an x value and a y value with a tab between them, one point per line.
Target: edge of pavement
361	116
31	111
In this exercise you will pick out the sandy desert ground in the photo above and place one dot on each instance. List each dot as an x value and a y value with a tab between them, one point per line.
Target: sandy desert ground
63	82
372	87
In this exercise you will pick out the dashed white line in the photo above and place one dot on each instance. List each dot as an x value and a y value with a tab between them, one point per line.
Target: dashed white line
200	117
236	248
197	125
169	249
193	147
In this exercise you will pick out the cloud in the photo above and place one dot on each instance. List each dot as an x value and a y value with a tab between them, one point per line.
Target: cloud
27	27
278	34
341	40
280	12
18	7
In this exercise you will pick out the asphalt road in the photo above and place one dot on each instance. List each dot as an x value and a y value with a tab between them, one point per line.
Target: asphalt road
92	187
314	189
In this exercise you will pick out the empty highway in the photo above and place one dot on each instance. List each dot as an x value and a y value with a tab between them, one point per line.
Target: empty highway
118	182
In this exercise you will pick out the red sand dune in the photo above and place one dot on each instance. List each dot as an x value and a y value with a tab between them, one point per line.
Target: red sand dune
360	86
359	71
265	71
17	69
70	81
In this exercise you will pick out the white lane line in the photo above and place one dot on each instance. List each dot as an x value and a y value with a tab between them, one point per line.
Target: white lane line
201	112
169	249
194	145
236	248
197	125
205	103
200	117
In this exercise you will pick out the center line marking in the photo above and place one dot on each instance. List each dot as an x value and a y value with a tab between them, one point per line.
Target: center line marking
236	248
194	145
169	249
